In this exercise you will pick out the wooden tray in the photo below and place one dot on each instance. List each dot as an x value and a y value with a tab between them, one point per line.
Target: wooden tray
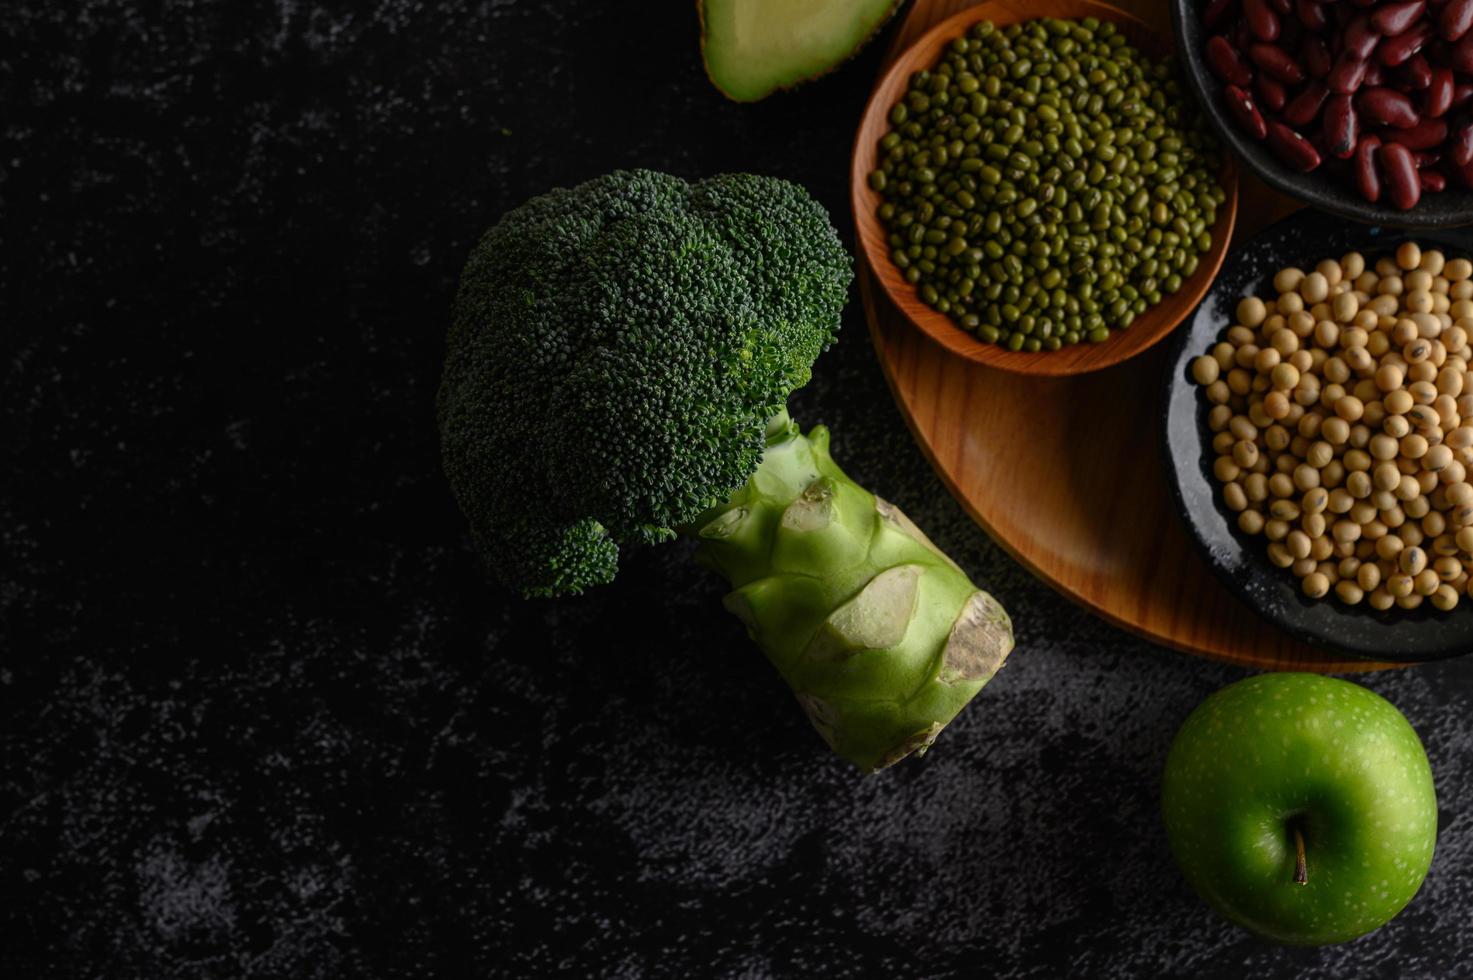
1065	473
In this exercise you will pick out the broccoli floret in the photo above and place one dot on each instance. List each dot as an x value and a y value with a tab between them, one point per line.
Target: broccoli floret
615	353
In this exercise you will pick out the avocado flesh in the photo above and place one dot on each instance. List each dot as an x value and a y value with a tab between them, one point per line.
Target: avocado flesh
753	48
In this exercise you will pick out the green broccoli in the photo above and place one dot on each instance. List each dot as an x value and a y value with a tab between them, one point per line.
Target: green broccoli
617	370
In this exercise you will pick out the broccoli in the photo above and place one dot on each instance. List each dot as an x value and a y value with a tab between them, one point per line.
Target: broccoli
617	368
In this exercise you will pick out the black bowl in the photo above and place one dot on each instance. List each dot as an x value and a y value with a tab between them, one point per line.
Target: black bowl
1241	561
1449	209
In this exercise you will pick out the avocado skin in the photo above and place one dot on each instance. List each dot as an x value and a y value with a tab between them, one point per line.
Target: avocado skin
803	80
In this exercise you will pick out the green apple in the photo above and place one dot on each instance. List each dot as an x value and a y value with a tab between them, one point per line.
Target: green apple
1301	807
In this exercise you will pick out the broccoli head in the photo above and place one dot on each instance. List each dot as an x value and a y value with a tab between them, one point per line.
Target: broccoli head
615	353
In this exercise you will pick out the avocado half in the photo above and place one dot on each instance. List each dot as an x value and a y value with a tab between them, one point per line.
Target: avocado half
752	48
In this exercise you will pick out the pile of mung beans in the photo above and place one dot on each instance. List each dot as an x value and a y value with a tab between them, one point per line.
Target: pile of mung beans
1342	414
1045	182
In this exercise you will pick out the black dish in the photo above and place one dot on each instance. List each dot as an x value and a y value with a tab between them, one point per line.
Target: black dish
1449	209
1302	239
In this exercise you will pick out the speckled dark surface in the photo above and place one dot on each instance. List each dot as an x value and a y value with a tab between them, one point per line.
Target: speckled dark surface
260	716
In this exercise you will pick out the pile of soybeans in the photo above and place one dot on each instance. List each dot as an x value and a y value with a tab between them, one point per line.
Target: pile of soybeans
1341	427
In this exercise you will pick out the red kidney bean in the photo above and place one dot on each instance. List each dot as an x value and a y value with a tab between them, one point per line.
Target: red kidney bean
1312	15
1400	172
1390	19
1359	38
1317	140
1394	50
1348	74
1292	148
1462	95
1375	75
1240	104
1341	127
1432	180
1439	95
1306	105
1460	56
1454	19
1284	7
1426	134
1415	73
1438	98
1388	106
1276	62
1367	172
1316	57
1225	61
1461	145
1216	11
1424	159
1262	20
1270	93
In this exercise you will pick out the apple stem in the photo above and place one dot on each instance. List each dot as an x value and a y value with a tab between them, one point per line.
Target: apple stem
1301	869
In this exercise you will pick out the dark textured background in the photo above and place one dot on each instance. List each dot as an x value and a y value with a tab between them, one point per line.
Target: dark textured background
260	715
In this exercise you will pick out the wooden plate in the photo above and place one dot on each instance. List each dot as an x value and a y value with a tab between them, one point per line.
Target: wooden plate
1066	473
1148	328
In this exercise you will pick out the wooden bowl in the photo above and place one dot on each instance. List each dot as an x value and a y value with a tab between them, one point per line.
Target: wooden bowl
1148	328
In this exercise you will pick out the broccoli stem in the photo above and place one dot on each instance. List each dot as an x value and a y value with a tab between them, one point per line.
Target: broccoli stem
882	637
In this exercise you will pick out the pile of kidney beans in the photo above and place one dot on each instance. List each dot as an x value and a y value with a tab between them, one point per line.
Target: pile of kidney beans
1381	92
